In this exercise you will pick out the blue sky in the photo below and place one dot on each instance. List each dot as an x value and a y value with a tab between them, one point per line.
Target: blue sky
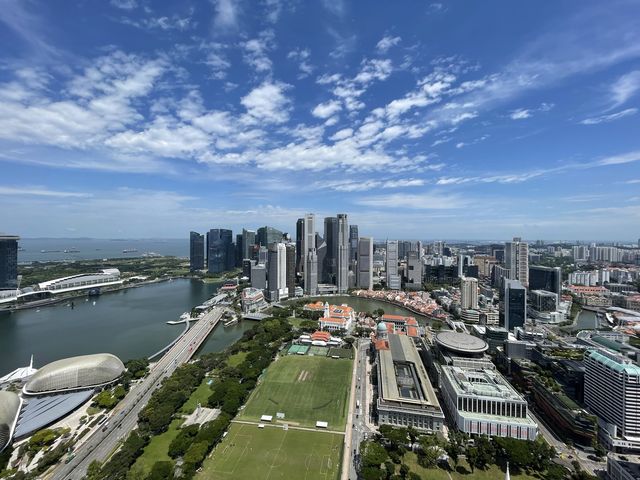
476	120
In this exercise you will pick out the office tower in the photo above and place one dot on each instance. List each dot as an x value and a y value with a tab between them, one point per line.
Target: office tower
263	255
9	262
299	242
516	259
515	304
248	241
196	251
291	270
321	254
468	293
460	265
393	279
247	263
342	278
331	258
268	235
612	392
546	278
414	270
311	273
259	276
277	272
365	263
238	250
219	249
353	246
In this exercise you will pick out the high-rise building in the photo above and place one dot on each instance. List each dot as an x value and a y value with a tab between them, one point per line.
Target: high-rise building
353	246
342	279
291	270
330	267
468	293
545	278
238	250
248	241
9	262
277	272
414	270
196	251
365	263
311	273
268	235
612	392
393	279
516	259
515	304
299	243
259	276
220	255
321	254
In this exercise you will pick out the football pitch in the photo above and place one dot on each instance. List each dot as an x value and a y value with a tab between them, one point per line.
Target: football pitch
271	453
306	389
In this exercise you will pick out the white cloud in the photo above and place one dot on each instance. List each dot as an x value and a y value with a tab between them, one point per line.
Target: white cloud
302	57
226	14
423	201
342	134
39	191
174	22
387	42
255	51
268	102
124	4
520	114
621	159
610	117
327	109
337	7
625	87
364	185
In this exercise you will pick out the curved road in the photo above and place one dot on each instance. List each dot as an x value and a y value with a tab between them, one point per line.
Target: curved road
124	418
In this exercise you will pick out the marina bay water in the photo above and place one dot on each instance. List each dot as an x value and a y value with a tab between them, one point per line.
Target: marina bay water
129	323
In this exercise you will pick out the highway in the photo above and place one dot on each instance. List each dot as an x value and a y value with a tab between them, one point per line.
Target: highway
360	420
124	418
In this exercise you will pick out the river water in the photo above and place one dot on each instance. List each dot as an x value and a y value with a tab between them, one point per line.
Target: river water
130	323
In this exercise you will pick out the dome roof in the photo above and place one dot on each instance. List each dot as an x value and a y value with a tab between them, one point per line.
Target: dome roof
9	409
382	327
75	373
461	343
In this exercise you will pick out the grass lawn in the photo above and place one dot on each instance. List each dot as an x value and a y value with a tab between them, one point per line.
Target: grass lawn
463	472
157	449
306	389
296	321
236	359
248	452
200	394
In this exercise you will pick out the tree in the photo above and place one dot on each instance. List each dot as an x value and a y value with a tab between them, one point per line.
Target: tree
93	470
472	458
162	470
428	456
404	470
196	453
374	454
371	473
390	469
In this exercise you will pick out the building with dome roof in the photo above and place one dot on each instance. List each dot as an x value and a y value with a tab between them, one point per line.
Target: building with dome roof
9	409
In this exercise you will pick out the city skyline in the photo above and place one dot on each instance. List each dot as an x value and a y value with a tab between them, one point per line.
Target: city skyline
415	121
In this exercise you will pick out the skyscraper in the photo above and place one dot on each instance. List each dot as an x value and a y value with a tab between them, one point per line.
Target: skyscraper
515	304
516	259
612	392
321	254
220	250
299	243
291	269
196	251
311	273
545	278
468	293
414	270
248	241
331	258
268	235
9	262
393	279
353	246
365	263
342	278
277	272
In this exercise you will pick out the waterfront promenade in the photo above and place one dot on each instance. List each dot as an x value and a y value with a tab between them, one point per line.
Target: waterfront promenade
102	444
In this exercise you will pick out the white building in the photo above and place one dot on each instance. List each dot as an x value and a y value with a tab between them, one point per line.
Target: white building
481	401
468	293
252	300
393	278
516	259
612	392
277	272
106	277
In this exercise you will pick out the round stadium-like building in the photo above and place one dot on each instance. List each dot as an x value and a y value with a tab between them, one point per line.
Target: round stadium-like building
461	344
75	373
9	410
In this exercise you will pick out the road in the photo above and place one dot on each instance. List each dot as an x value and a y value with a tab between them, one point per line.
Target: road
124	417
360	420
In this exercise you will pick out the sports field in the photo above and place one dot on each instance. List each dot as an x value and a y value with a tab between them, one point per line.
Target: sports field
249	452
306	389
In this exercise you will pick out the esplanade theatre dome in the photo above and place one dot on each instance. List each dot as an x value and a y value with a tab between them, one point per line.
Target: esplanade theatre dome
75	373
